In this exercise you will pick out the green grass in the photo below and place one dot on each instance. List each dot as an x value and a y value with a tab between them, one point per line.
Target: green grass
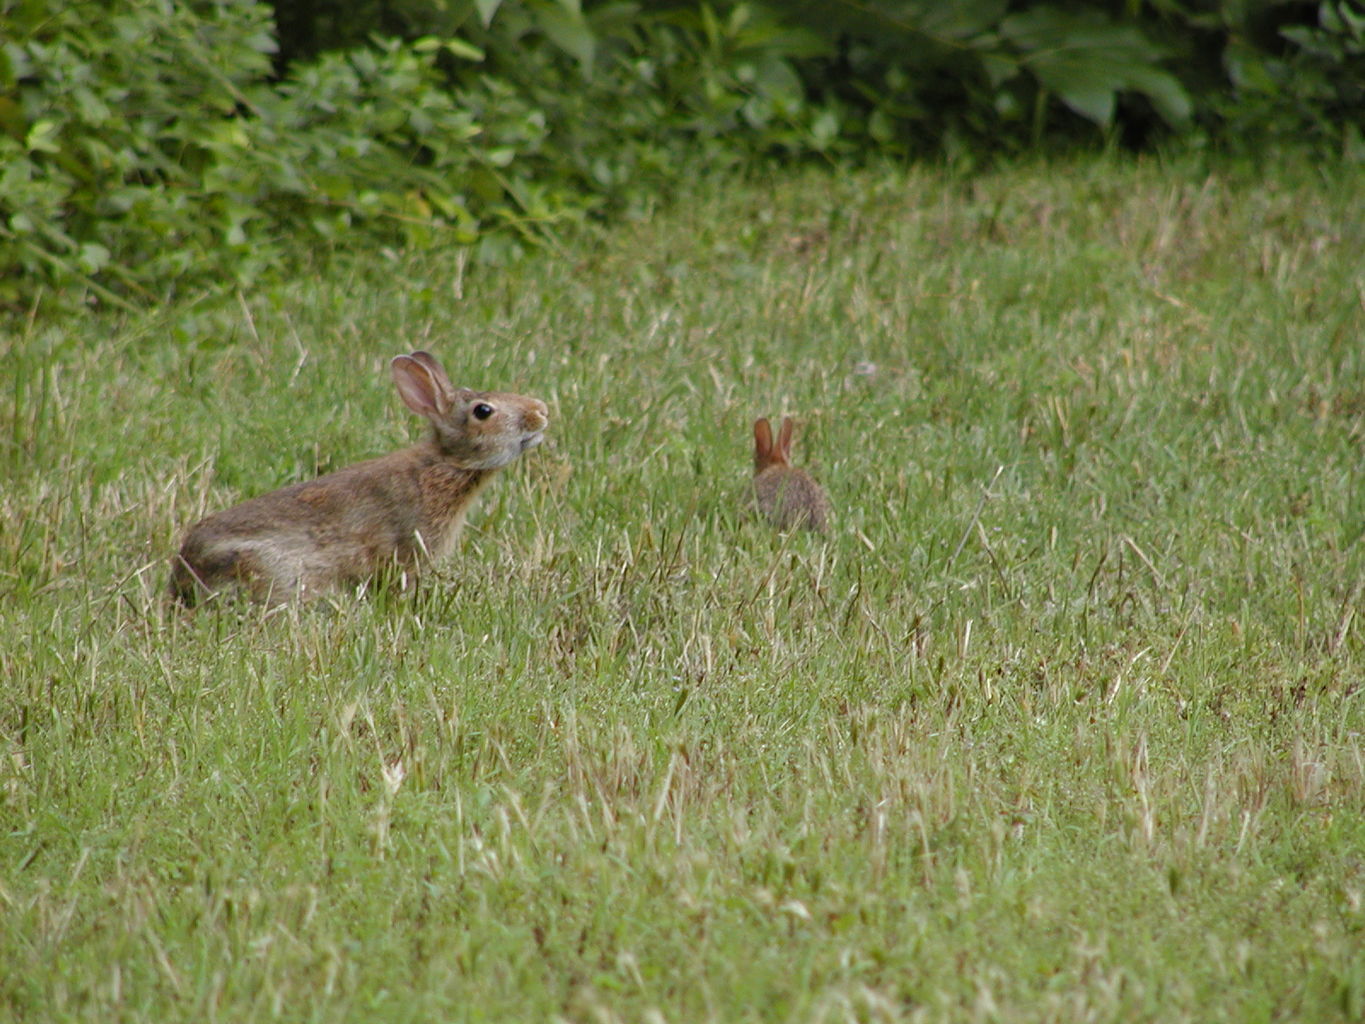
1061	722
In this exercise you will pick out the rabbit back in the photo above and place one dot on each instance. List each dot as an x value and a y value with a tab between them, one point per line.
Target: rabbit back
790	499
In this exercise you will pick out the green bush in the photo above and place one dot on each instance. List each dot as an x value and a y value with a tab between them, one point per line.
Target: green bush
113	116
145	145
925	77
1296	79
154	145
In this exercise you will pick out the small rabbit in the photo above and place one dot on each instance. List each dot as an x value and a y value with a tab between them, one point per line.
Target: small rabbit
400	509
786	496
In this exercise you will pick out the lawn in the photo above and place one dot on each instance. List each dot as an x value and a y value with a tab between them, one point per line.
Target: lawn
1061	722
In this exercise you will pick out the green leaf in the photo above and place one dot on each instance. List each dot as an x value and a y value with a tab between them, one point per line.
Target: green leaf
1095	102
460	48
881	127
454	46
487	8
1056	32
825	128
1350	21
92	257
1169	97
568	30
1086	60
42	137
962	19
1248	68
999	68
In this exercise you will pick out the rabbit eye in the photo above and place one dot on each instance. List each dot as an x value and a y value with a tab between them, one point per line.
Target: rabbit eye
482	411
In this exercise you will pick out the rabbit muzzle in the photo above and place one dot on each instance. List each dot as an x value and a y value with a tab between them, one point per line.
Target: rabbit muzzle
533	423
536	418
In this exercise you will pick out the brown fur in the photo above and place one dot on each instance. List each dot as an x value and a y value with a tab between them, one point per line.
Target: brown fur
786	496
400	510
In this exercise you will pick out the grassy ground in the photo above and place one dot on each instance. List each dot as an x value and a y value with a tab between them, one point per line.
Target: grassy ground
1062	721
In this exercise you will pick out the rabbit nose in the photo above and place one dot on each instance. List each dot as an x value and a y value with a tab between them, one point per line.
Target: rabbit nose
537	417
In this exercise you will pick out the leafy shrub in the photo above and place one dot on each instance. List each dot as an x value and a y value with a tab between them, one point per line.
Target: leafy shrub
1296	77
148	145
920	76
144	143
663	94
110	117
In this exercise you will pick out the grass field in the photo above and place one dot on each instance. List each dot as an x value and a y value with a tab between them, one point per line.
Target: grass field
1062	721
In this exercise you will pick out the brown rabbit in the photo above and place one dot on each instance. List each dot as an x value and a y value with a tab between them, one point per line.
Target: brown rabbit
786	496
400	509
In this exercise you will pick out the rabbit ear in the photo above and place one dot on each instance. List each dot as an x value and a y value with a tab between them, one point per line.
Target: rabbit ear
438	373
784	437
763	437
430	362
422	390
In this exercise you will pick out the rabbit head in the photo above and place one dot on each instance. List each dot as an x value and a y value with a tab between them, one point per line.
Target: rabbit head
473	429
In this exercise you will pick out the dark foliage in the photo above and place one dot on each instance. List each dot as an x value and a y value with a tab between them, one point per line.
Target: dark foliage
147	145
